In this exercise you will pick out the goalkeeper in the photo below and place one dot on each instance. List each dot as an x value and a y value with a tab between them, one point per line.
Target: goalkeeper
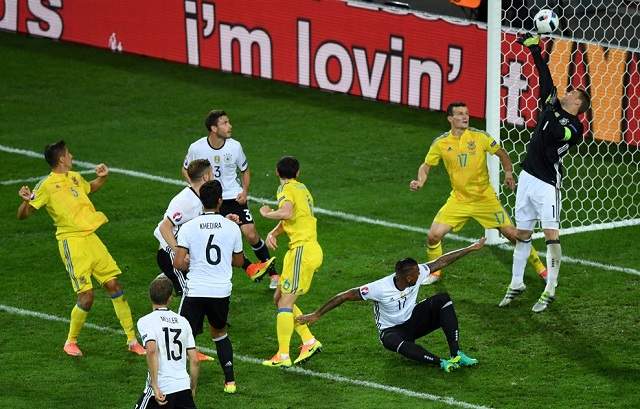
538	196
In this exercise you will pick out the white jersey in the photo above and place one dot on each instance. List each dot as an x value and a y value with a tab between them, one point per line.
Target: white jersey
211	240
391	306
183	207
173	337
225	162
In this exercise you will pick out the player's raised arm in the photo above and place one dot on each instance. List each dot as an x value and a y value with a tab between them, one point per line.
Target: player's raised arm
452	256
547	89
349	295
25	209
102	172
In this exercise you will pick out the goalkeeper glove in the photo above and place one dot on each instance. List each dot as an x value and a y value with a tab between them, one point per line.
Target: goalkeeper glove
529	40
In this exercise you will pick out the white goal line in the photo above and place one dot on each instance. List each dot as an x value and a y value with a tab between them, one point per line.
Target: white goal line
334	213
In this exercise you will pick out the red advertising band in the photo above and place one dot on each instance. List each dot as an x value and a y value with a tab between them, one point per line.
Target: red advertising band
357	48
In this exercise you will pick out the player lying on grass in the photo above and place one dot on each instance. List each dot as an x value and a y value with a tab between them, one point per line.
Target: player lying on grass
400	320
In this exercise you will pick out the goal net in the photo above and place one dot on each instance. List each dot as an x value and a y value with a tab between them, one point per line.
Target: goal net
596	48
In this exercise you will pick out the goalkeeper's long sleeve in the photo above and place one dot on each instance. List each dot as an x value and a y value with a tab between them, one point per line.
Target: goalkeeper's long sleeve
546	82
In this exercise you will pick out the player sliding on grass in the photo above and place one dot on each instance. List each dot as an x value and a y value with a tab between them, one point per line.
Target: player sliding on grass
65	195
538	195
462	149
400	320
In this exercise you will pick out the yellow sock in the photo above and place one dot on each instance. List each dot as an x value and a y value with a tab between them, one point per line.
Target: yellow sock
78	316
124	315
433	252
301	329
534	261
285	329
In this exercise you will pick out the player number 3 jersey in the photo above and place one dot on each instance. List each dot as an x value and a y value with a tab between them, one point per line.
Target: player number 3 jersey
391	306
173	337
225	163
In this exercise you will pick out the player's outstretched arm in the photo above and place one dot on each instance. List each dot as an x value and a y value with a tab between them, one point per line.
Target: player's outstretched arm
284	212
547	89
423	174
25	209
452	256
194	369
349	295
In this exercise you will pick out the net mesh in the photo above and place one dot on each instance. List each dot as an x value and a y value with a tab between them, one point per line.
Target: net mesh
595	48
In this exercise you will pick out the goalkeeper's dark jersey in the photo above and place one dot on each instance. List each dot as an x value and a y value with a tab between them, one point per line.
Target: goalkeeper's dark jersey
556	130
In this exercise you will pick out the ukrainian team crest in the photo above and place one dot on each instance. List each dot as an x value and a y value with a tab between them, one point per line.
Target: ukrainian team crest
74	192
75	181
471	145
216	159
228	158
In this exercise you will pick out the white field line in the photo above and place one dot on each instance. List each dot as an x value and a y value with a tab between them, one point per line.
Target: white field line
33	179
324	375
333	213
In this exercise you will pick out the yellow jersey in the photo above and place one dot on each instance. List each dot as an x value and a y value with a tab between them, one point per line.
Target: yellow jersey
66	201
465	160
301	227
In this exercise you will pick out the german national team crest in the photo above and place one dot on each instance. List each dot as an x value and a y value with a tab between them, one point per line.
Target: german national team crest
216	159
228	158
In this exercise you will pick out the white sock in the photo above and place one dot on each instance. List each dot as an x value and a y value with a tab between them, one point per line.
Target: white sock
520	256
554	254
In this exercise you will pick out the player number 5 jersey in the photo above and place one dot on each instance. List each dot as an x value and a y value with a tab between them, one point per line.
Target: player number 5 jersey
391	306
173	337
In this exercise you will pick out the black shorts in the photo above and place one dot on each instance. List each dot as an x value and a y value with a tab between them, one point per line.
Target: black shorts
176	400
231	206
425	318
194	309
177	277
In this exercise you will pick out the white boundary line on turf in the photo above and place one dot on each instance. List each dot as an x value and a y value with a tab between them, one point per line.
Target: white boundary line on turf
333	213
33	179
324	375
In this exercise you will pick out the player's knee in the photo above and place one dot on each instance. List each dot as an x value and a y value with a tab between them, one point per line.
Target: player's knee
217	333
433	238
440	299
391	341
85	300
113	286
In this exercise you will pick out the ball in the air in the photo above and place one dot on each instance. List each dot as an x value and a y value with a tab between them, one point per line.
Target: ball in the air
546	21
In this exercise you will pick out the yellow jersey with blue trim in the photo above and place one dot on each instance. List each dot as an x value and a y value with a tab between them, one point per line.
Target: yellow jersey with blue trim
465	160
65	196
301	227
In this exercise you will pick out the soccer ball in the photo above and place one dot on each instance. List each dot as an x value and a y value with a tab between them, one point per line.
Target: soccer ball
546	21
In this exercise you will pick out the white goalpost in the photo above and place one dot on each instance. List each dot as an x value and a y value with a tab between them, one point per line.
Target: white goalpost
596	48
